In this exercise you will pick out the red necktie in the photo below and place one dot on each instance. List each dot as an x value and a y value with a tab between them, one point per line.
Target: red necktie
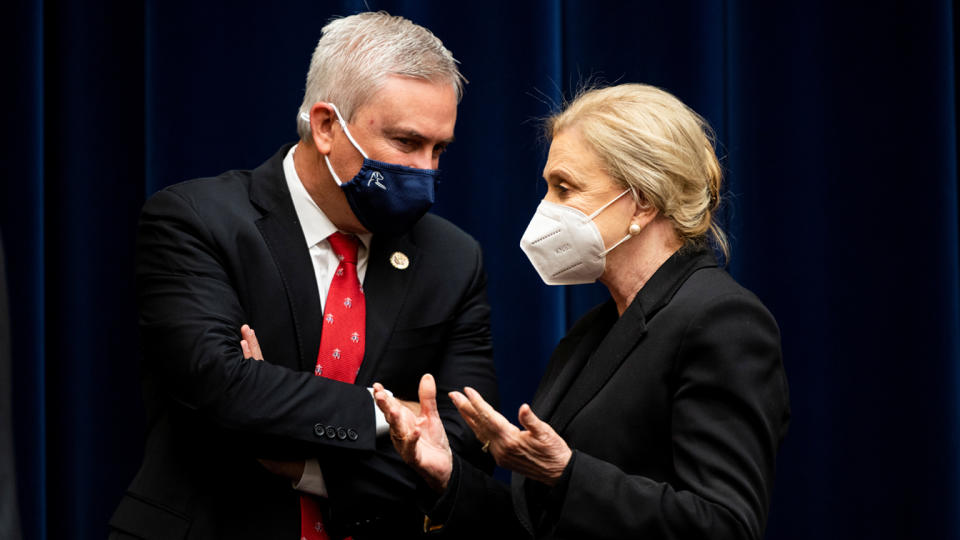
341	347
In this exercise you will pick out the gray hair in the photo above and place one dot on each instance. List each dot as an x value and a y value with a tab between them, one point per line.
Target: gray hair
356	54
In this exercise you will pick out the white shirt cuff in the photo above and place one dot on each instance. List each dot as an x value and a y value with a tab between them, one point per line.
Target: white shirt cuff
382	426
312	479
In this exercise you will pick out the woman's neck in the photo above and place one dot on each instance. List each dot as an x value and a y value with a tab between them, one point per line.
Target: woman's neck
631	264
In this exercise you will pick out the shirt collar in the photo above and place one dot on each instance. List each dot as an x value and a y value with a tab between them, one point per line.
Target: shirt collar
315	224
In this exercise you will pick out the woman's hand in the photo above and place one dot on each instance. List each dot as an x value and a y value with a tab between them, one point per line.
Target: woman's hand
537	452
251	349
419	438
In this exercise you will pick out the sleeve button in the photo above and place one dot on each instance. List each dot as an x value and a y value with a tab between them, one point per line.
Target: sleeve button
331	432
352	434
341	433
318	430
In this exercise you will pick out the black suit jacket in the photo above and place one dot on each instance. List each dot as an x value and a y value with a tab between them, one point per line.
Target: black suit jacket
215	253
675	411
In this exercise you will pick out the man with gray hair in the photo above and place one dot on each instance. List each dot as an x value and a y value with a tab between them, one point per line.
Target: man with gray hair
328	251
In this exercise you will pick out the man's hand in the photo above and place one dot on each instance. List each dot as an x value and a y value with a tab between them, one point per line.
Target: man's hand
251	349
538	452
418	435
249	343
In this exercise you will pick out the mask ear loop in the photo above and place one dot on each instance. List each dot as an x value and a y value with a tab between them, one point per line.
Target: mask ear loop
597	212
347	131
343	125
604	207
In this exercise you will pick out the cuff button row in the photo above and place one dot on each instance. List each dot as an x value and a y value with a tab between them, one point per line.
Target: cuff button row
332	432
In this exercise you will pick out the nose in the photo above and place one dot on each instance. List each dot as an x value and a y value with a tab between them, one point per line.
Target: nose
423	160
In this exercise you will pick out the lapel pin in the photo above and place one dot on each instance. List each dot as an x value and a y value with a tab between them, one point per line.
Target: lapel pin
399	260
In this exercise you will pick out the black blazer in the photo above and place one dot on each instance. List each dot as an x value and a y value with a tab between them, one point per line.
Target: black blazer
215	253
675	411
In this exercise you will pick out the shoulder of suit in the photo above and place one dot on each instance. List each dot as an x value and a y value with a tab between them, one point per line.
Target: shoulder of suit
434	233
221	195
707	286
229	185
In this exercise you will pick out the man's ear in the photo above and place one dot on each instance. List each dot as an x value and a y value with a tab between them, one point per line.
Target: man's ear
322	119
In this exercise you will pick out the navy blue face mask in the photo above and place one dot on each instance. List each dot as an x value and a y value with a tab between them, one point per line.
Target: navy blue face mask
388	199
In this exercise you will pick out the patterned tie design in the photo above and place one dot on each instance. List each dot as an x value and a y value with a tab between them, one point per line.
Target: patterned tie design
341	347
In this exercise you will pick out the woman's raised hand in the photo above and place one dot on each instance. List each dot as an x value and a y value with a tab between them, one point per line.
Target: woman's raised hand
536	452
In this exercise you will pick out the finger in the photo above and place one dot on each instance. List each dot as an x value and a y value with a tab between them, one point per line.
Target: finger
465	407
245	347
469	414
428	396
250	336
487	414
392	411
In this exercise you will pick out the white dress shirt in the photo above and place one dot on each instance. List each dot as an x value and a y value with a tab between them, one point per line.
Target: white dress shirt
317	227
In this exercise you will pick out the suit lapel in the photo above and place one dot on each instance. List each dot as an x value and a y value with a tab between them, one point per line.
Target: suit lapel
384	288
569	357
625	334
283	235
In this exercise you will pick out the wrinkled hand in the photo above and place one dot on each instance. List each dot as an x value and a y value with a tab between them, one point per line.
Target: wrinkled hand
251	349
419	438
537	452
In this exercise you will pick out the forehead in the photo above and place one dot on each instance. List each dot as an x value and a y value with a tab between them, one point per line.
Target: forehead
426	107
569	152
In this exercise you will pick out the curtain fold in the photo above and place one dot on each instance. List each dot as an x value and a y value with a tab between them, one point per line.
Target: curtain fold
836	126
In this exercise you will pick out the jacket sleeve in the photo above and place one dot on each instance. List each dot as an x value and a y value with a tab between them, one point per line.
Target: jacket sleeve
474	505
465	360
729	413
190	318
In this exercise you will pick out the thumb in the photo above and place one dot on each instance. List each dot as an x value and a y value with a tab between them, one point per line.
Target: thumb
531	423
428	395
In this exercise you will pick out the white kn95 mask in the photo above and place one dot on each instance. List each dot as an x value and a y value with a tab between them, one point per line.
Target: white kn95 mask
564	245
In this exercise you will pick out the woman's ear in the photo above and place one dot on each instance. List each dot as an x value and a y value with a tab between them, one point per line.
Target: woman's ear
322	119
643	213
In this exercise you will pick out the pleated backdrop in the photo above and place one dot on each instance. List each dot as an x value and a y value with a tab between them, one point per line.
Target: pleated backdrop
836	124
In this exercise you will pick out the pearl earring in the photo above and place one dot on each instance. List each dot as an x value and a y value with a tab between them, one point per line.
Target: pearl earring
634	229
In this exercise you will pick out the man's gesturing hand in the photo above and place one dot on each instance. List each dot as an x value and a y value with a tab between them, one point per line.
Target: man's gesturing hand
419	438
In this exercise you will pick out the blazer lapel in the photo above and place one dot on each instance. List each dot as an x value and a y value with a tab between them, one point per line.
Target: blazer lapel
384	289
283	235
626	333
569	357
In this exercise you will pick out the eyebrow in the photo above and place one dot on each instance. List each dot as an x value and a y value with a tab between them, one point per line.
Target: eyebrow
562	174
413	134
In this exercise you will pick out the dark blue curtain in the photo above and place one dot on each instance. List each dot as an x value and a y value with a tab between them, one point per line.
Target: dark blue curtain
837	127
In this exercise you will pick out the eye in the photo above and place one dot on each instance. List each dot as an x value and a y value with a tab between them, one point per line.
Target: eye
439	149
403	141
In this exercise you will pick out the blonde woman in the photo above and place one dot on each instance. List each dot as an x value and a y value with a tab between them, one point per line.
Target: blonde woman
661	411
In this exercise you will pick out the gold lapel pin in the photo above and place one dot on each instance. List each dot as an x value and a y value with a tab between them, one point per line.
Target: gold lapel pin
399	260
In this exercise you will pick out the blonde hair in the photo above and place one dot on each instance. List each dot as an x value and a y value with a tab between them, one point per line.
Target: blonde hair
657	147
356	54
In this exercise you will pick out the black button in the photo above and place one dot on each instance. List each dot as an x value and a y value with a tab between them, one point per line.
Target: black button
341	433
318	430
352	434
331	432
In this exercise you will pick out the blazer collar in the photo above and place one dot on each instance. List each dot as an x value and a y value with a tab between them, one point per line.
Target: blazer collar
607	343
268	187
283	235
